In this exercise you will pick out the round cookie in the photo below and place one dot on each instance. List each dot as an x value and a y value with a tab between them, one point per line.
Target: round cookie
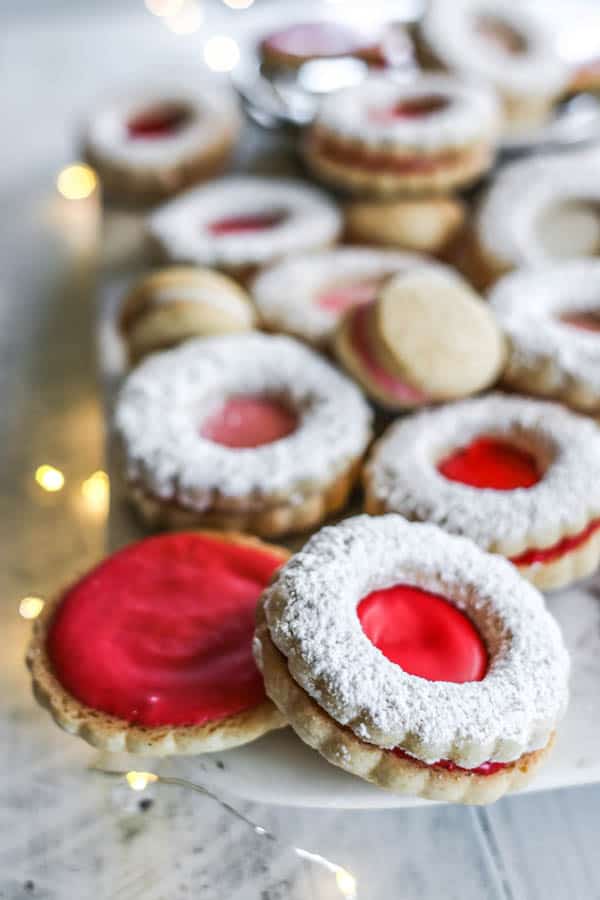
296	44
390	138
421	225
153	142
507	45
243	222
151	651
170	305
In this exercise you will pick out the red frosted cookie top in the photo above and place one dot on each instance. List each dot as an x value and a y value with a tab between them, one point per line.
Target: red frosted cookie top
412	108
489	462
424	634
248	223
160	633
342	297
159	121
246	421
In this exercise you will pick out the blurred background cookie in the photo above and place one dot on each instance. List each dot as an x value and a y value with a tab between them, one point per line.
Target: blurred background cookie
292	46
424	225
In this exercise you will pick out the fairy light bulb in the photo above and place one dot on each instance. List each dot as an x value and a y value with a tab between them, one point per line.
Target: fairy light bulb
76	182
139	781
49	478
221	53
31	607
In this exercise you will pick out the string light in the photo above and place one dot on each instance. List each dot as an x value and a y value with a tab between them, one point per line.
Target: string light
221	53
238	4
31	607
76	182
139	781
163	8
96	492
187	19
49	478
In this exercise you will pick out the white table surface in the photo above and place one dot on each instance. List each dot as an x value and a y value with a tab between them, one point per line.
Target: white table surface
65	832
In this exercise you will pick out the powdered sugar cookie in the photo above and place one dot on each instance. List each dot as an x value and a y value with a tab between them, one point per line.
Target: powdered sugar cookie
413	659
243	222
519	477
386	137
101	665
292	46
551	316
423	225
240	431
306	295
170	305
507	45
153	142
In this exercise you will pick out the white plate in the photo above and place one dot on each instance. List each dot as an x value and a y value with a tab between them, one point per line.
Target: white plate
279	769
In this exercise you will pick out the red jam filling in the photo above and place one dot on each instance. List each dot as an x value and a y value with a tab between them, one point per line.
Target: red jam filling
342	297
244	224
380	161
161	632
489	462
359	338
486	768
586	321
549	554
316	39
424	634
158	122
416	108
247	421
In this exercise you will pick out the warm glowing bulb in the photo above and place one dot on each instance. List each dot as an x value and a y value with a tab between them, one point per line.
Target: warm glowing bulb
238	4
96	491
49	478
138	781
346	883
164	8
76	182
221	53
187	19
31	607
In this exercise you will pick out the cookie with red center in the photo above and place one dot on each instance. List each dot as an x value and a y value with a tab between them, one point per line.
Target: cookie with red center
154	142
308	294
170	305
151	651
292	46
500	43
244	222
519	477
242	432
551	316
427	337
537	211
385	137
413	659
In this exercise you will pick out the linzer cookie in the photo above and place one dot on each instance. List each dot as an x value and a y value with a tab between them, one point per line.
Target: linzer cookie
296	44
173	304
510	46
151	651
551	316
153	142
424	225
385	137
308	294
519	477
426	338
242	432
243	222
414	660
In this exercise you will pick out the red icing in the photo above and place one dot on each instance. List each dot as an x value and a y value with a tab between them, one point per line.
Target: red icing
343	297
359	337
246	421
161	632
242	224
417	108
587	321
486	768
158	122
423	633
548	554
489	462
317	39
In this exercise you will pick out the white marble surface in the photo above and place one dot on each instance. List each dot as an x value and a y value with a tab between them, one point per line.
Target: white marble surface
64	831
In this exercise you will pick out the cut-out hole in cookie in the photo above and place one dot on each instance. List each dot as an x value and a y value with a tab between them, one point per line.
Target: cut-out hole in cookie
570	229
340	297
584	320
244	224
161	121
491	462
501	34
423	633
245	421
411	108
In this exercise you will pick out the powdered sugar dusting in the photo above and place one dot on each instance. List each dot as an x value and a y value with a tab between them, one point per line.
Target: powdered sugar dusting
164	401
311	613
402	472
529	304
